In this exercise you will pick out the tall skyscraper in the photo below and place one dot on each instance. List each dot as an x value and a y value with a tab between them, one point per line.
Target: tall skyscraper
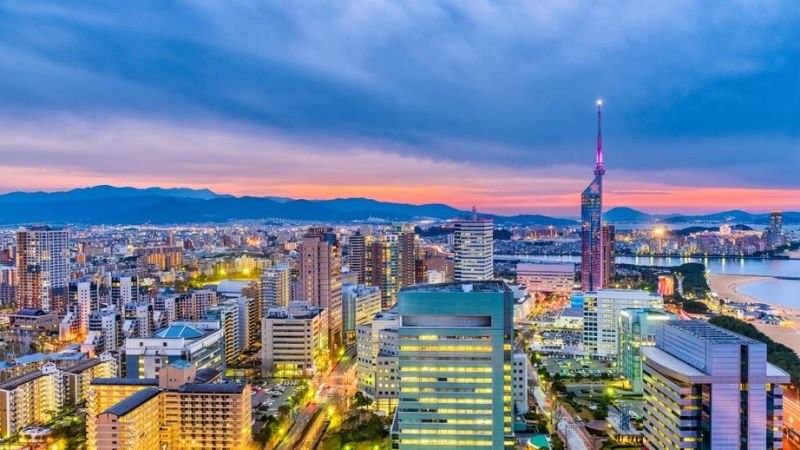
320	281
406	255
473	244
774	233
357	255
709	388
43	268
596	257
455	366
275	287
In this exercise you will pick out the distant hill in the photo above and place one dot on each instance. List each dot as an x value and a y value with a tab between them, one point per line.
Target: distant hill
630	215
126	205
625	214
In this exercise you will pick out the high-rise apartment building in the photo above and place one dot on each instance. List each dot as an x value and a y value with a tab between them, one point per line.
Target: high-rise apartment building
84	298
193	305
275	286
320	281
107	325
32	398
473	242
179	409
601	312
406	255
43	268
455	366
595	271
8	285
709	388
637	329
357	255
124	289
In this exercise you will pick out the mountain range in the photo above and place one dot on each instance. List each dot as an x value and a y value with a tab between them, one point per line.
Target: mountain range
126	205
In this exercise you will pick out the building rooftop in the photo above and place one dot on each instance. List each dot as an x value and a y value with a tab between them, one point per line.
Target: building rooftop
704	330
126	381
30	312
131	403
83	365
20	380
205	375
180	331
181	364
460	286
212	388
622	293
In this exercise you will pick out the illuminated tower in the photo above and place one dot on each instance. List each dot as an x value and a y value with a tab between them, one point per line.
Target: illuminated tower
595	257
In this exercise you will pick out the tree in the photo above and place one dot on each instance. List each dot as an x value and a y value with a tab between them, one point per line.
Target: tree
361	401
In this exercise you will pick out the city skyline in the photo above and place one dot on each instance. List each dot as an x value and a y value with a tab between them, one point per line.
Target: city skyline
471	93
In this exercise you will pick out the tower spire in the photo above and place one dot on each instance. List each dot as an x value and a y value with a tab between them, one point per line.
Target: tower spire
599	168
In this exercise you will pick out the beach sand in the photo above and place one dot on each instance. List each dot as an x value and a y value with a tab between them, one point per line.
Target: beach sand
726	288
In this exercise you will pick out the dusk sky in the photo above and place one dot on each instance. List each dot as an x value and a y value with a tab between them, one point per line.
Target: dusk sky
488	103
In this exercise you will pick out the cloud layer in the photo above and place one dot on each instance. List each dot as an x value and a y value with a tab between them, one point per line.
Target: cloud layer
478	101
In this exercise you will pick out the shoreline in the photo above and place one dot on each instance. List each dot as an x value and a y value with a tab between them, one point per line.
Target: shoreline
726	287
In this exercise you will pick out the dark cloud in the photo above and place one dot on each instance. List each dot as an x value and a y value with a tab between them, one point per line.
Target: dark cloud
707	88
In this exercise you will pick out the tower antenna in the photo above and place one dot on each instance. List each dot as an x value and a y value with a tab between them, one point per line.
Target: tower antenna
599	168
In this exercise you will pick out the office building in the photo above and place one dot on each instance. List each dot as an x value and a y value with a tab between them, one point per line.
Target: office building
473	242
596	252
637	329
144	357
360	304
42	268
320	281
377	353
601	312
455	366
275	288
294	341
30	399
710	388
519	381
546	278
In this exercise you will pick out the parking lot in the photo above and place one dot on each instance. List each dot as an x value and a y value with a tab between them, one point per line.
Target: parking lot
268	398
578	367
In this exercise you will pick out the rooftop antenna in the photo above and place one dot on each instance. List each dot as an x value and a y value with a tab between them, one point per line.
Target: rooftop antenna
599	168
